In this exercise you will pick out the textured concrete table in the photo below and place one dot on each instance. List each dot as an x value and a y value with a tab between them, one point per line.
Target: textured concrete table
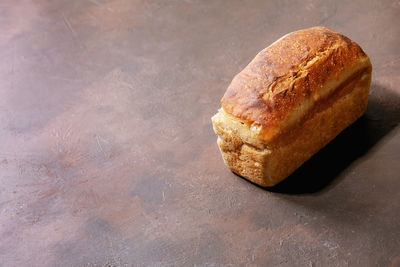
108	158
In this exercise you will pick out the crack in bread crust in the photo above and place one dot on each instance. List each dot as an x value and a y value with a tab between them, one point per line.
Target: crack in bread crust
284	80
285	83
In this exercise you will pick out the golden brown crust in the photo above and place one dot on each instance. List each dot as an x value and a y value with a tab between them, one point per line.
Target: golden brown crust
290	101
282	83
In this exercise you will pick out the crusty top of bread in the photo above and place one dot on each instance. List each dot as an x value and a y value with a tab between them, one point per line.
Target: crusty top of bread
283	82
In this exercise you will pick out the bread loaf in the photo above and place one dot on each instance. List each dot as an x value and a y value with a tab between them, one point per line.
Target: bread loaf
291	100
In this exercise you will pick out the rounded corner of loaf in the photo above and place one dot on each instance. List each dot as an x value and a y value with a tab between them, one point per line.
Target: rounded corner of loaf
282	83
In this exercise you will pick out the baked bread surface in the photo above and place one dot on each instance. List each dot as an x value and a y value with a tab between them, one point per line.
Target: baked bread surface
283	82
291	100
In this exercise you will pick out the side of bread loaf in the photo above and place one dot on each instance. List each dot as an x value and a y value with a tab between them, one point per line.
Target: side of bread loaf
290	101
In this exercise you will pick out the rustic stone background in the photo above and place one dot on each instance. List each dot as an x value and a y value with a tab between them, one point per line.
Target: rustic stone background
107	154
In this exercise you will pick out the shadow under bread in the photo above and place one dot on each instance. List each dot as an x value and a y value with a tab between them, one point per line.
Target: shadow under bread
320	171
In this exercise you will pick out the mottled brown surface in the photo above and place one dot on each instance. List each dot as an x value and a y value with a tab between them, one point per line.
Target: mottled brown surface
108	156
275	89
